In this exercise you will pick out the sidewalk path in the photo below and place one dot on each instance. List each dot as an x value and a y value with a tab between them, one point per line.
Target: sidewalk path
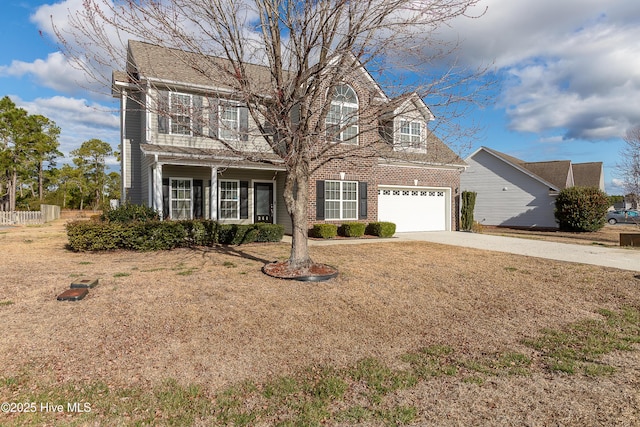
616	257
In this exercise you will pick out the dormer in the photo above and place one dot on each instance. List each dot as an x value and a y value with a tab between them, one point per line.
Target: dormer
405	125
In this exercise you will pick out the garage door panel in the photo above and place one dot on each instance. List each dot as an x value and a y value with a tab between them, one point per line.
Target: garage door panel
413	209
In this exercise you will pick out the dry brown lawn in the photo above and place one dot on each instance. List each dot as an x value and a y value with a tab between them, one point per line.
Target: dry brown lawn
607	236
208	316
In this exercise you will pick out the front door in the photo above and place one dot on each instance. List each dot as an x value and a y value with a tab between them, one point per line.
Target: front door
263	202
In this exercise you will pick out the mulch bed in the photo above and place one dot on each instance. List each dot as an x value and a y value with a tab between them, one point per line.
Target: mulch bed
314	273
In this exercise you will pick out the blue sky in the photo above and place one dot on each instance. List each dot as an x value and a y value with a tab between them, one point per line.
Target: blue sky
568	71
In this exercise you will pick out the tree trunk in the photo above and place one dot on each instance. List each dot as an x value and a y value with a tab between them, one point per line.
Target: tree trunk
12	190
41	182
296	196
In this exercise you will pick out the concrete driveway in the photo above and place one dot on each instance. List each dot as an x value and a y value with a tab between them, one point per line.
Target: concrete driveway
625	259
616	257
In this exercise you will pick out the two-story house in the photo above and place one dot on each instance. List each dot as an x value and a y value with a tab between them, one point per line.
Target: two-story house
173	118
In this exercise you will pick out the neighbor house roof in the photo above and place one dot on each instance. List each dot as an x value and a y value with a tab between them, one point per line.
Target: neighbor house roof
560	173
588	174
557	172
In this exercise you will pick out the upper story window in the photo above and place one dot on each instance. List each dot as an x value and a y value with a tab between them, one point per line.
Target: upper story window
342	119
193	115
410	134
229	122
180	107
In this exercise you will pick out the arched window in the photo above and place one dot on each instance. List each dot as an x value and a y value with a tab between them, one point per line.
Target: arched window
342	119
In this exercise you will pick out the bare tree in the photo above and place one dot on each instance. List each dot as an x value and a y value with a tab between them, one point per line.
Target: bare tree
629	164
310	47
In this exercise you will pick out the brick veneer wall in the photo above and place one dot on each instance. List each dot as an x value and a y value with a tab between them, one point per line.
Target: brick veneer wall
365	167
375	175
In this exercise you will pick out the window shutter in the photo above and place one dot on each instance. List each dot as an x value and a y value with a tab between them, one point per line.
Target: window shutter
165	198
244	199
319	199
362	205
163	111
213	118
197	115
197	198
243	116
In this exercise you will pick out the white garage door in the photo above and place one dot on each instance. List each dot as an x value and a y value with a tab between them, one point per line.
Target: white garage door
414	209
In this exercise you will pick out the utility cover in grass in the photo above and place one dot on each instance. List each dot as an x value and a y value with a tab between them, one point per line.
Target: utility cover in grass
84	283
73	294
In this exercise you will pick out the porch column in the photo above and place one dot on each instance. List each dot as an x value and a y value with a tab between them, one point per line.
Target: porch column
123	148
157	188
213	198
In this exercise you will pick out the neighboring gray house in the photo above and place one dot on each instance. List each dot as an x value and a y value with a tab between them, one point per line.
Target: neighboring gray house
512	192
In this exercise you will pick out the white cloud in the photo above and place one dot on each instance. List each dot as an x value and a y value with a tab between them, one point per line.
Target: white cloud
616	186
54	72
78	120
571	65
551	139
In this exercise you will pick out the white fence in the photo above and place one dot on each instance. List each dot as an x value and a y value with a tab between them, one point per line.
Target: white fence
45	214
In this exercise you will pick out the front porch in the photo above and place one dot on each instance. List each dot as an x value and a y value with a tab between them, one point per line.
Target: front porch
229	191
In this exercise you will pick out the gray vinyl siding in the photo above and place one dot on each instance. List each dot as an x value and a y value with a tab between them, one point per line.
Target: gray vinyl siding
250	176
204	173
134	133
507	196
145	182
256	142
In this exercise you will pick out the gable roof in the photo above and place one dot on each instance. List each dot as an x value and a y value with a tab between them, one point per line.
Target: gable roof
558	174
408	102
588	174
175	66
437	153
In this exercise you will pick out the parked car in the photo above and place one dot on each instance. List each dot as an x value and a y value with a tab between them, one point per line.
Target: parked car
623	216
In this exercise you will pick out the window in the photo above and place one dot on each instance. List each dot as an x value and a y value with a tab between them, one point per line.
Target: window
181	108
341	200
181	191
342	119
229	200
410	134
229	122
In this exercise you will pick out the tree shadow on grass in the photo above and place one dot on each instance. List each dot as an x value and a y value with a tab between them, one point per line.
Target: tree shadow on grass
230	250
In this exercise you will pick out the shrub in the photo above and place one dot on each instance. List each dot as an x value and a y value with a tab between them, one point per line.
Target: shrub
164	235
94	236
269	232
352	229
466	213
129	213
324	231
157	235
245	233
381	229
581	209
